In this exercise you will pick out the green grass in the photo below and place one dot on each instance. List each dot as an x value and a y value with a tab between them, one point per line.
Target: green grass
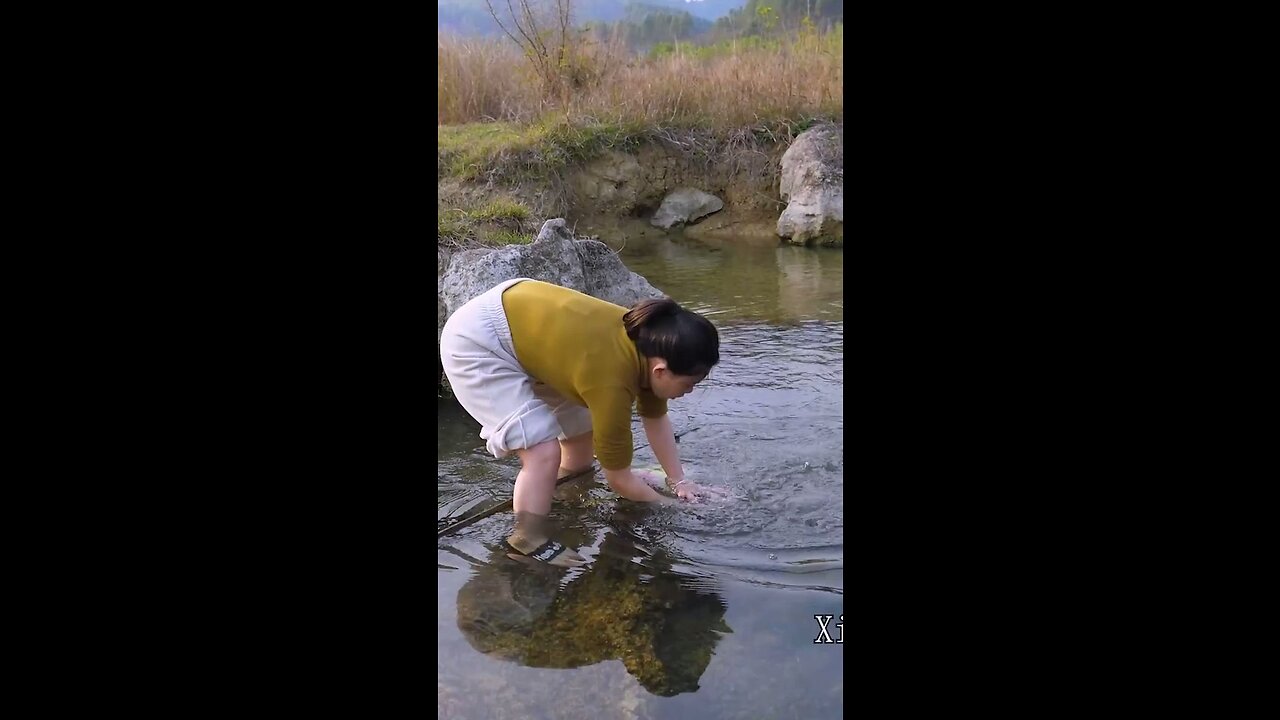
498	221
453	225
515	152
501	209
463	150
507	237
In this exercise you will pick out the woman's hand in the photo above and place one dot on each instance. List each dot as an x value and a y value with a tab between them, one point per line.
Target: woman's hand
686	490
683	489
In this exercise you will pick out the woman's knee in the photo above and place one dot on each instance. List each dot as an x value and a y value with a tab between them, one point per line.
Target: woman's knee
544	455
576	452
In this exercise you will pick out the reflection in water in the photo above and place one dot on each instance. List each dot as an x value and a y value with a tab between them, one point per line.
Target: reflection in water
781	285
662	625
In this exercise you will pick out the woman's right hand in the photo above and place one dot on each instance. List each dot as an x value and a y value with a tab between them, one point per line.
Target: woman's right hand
683	489
686	490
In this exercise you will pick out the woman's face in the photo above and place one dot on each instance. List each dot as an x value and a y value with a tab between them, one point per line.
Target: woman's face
669	385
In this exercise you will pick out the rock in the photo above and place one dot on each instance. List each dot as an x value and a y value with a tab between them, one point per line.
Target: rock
608	279
442	262
588	266
685	205
813	184
552	257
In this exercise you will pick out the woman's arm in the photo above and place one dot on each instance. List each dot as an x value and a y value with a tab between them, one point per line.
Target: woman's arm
611	427
662	441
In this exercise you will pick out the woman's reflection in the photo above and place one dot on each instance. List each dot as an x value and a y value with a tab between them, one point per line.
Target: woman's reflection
627	605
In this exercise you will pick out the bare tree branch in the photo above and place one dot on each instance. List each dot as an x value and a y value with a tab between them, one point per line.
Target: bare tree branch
545	35
494	14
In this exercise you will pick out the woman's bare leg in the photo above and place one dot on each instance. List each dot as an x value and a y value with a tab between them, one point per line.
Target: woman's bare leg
537	478
576	454
531	501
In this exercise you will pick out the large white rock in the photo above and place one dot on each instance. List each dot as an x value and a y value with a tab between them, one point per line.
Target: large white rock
812	183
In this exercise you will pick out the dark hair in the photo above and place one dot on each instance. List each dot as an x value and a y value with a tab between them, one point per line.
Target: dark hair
686	340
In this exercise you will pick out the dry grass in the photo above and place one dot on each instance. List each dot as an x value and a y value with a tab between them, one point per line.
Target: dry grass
483	81
729	86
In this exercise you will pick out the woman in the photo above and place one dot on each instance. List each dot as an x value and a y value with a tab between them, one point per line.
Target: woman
551	374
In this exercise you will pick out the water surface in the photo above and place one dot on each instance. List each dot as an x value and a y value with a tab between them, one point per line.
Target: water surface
693	611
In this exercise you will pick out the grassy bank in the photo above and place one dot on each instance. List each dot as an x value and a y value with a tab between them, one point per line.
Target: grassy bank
504	128
521	151
498	181
464	221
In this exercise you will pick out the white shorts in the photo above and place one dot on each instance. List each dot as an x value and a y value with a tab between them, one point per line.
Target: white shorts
515	410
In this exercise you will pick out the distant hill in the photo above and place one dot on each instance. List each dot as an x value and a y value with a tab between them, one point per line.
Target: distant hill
756	17
645	24
708	9
471	17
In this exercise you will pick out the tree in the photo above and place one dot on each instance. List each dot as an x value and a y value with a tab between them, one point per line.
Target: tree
544	32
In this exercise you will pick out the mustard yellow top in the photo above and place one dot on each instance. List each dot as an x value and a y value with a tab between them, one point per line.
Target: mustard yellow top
576	344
